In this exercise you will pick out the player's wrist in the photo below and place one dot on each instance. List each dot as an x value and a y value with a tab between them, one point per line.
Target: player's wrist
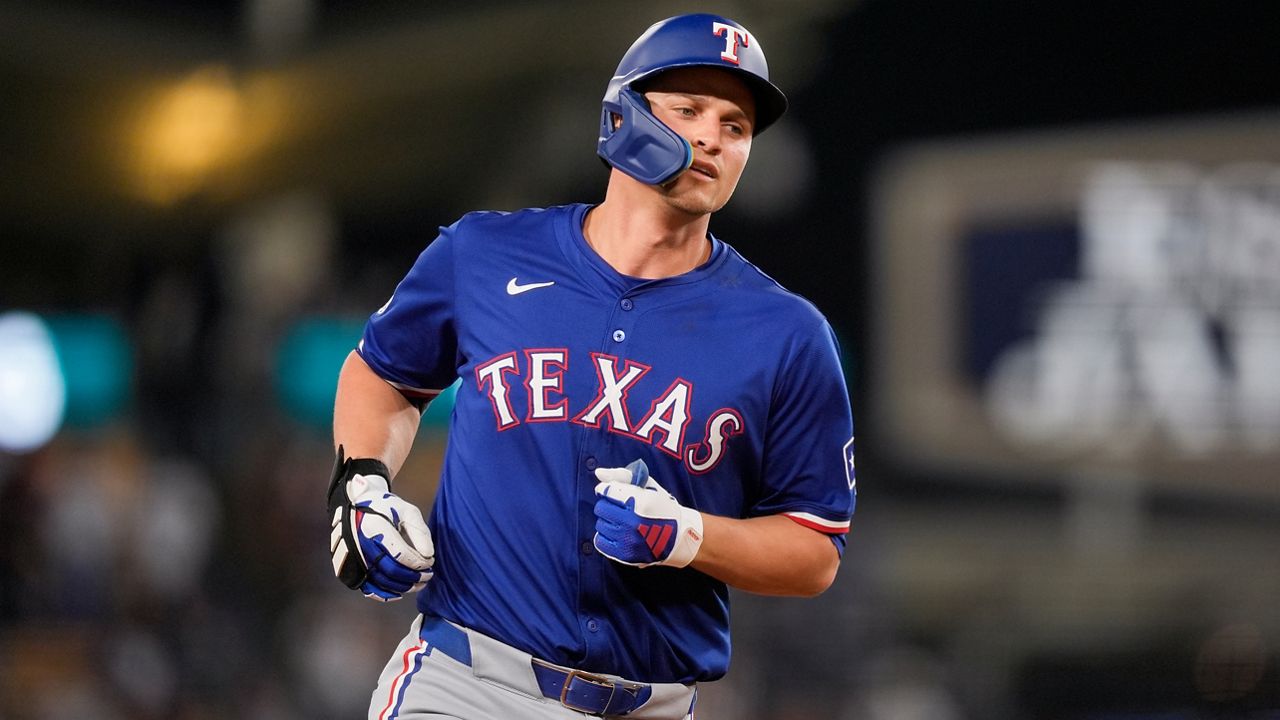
690	541
346	468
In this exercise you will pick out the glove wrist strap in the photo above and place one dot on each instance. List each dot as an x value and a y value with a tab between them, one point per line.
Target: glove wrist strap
687	547
345	468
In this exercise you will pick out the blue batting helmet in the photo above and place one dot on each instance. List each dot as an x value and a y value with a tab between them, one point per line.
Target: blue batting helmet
642	146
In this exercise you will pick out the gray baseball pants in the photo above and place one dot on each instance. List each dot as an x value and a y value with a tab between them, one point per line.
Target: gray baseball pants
465	675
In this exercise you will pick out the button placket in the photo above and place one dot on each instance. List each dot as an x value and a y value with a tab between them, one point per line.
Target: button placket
622	321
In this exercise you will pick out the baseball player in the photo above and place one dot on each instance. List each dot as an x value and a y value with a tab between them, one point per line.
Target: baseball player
644	419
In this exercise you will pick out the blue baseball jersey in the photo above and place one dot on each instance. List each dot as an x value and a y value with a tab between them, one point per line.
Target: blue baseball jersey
728	387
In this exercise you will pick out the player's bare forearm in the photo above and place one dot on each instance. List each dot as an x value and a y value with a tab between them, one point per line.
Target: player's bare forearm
767	555
371	419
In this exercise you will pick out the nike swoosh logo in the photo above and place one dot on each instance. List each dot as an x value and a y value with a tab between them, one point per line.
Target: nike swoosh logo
515	288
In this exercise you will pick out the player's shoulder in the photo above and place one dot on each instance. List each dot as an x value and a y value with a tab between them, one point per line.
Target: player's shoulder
482	236
488	223
775	301
782	320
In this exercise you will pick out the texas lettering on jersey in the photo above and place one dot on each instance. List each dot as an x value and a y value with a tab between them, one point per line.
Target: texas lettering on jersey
541	371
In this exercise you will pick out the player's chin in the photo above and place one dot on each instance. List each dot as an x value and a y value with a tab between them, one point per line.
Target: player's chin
699	201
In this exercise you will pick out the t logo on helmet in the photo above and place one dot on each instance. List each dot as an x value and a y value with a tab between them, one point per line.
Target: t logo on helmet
732	37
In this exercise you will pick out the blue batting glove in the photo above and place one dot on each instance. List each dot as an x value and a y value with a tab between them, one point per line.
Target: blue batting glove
639	523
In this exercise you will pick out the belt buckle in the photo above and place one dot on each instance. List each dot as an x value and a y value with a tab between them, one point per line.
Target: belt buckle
594	680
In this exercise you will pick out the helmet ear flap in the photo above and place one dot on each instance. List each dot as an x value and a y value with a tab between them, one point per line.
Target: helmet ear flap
641	146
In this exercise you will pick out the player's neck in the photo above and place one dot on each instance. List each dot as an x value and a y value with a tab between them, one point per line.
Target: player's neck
644	237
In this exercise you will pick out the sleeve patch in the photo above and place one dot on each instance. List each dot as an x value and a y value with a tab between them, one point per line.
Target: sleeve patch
850	470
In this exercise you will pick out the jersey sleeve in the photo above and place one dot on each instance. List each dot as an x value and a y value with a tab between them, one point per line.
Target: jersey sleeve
808	472
411	341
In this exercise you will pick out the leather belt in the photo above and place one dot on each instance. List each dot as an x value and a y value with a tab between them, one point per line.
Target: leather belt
587	692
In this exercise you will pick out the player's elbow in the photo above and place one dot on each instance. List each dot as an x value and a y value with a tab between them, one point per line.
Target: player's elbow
820	578
814	577
815	561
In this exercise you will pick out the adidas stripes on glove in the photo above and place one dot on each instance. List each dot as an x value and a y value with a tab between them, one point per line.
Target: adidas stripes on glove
639	523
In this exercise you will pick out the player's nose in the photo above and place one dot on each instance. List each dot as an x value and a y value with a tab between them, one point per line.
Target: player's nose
706	134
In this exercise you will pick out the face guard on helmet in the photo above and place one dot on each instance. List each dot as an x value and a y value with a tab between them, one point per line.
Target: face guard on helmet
641	145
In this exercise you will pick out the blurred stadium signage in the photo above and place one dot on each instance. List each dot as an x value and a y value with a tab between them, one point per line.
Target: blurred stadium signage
1100	301
70	370
308	360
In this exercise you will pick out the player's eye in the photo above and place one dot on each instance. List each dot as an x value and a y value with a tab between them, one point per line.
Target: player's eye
735	129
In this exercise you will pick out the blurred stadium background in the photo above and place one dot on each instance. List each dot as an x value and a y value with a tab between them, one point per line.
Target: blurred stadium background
1048	233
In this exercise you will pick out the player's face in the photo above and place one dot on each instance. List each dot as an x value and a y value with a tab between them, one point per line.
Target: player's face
714	111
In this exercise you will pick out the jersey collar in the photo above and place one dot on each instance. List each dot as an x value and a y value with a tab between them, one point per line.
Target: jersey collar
595	270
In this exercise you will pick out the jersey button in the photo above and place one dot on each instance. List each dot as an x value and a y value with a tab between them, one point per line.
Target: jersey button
590	463
619	336
592	625
587	547
627	304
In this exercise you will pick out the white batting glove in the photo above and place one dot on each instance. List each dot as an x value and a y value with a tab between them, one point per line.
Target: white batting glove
380	543
639	523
